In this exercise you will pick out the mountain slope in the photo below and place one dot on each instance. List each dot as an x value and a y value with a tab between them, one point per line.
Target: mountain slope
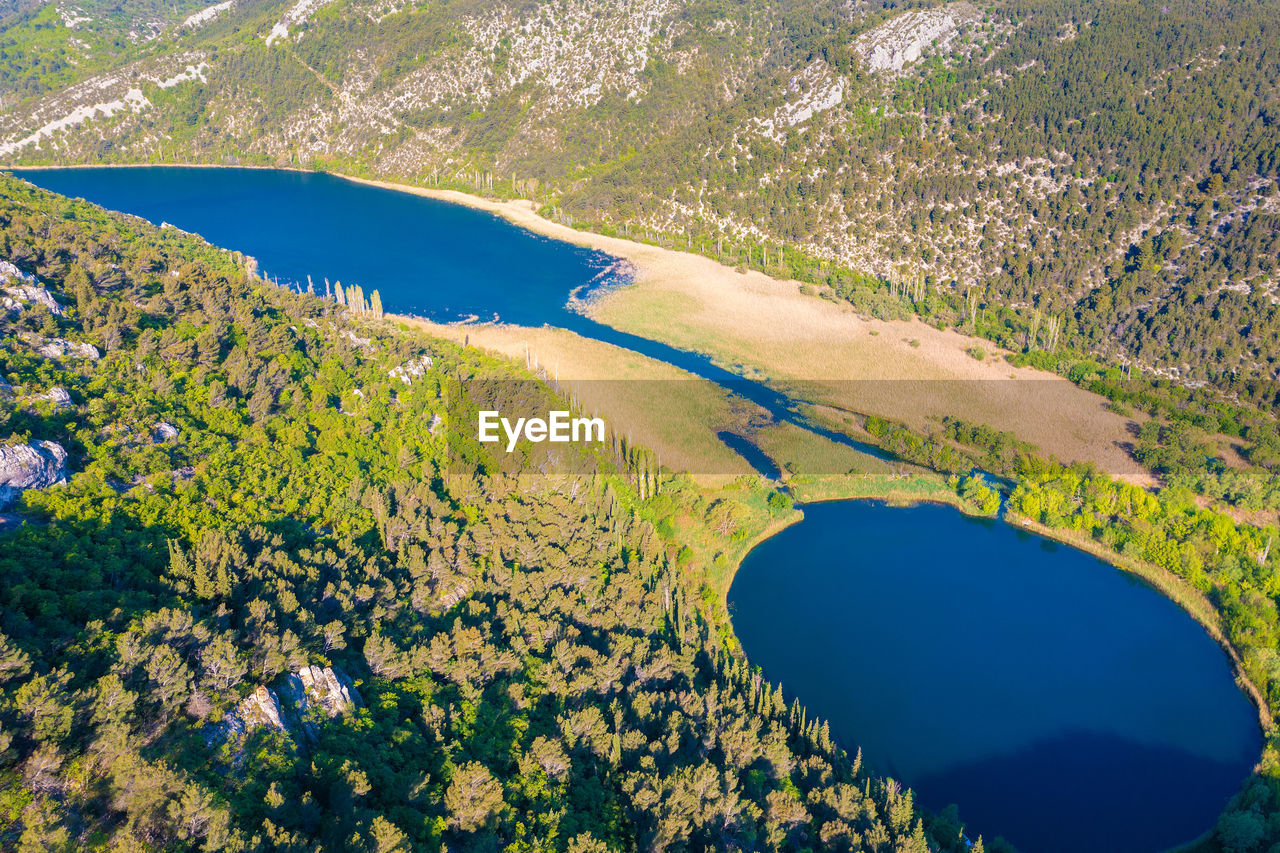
1112	166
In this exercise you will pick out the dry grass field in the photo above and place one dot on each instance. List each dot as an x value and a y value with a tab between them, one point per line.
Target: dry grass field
670	412
825	353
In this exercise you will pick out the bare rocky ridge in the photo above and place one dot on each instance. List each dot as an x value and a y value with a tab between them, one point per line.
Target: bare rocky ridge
905	38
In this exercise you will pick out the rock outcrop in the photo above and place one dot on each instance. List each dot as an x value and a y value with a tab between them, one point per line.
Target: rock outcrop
63	348
163	432
902	40
290	710
10	273
60	398
20	289
37	465
259	708
415	369
17	298
325	689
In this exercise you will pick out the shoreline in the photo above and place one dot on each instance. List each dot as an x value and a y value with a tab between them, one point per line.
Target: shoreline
1170	587
770	530
519	212
1161	582
1174	589
890	496
523	214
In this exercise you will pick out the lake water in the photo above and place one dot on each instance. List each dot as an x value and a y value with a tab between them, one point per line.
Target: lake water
1056	700
426	257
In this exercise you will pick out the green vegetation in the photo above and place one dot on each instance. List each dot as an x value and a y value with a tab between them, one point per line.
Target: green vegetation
43	49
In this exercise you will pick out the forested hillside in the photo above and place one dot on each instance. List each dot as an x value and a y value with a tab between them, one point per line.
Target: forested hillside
1091	176
269	609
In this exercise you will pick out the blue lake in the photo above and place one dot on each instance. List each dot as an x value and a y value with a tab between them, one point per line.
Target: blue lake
1058	701
428	258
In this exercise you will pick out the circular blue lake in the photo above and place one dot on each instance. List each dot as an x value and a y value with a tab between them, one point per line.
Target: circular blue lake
1056	700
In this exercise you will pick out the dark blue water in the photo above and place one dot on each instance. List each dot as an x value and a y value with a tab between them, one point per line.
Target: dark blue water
1056	700
426	257
429	258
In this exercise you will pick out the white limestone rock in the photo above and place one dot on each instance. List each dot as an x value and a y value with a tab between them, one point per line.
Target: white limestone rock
324	688
9	273
63	348
412	370
319	687
20	289
903	39
16	298
37	465
207	14
60	398
259	708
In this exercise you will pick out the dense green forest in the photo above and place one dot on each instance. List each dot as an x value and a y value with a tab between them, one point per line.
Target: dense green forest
293	620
